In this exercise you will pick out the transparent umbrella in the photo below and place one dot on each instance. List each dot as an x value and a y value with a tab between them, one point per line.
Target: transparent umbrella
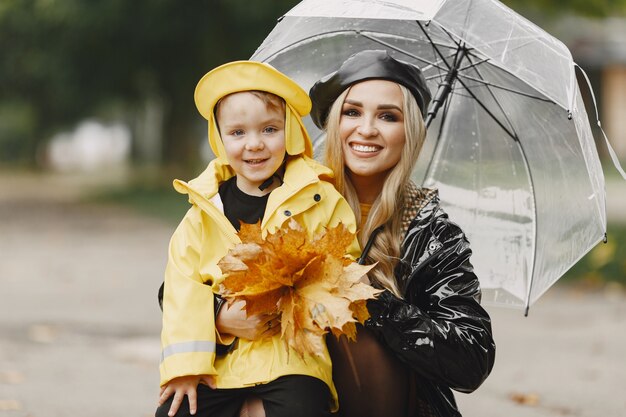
509	143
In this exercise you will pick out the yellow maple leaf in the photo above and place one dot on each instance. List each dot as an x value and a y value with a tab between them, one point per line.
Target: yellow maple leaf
308	281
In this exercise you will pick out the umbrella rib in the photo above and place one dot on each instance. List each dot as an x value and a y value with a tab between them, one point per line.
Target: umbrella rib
500	87
361	32
489	83
470	92
439	75
489	112
492	96
395	48
533	262
434	45
317	35
474	64
468	52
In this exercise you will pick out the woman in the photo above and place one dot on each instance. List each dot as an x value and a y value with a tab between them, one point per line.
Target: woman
427	333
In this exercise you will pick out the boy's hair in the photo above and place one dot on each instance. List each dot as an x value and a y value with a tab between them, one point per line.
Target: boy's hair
271	101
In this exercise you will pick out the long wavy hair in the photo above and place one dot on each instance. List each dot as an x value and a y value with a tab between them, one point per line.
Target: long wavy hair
388	208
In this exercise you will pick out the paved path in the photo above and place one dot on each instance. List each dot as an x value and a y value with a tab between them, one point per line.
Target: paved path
79	322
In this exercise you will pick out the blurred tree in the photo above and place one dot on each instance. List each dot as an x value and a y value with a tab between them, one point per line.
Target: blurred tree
550	8
66	60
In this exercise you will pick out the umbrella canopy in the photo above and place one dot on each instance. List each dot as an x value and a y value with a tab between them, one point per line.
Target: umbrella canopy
510	147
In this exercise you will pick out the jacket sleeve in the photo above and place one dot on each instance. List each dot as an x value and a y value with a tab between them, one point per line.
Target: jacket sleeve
188	333
442	333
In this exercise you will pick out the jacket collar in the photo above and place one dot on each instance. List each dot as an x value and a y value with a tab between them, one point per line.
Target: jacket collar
207	183
300	171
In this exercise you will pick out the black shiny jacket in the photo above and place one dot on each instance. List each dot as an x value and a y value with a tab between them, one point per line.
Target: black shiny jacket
439	329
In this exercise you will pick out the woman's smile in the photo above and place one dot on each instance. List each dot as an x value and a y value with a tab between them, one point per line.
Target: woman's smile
365	149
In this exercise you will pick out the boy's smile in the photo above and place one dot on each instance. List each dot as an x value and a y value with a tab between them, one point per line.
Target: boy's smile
253	134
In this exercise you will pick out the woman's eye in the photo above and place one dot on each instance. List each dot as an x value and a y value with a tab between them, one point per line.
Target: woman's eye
389	117
350	113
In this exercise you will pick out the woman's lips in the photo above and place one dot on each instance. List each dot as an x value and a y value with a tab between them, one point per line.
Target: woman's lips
365	148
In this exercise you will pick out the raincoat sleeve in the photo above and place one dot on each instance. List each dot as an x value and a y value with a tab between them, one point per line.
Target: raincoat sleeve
440	330
188	333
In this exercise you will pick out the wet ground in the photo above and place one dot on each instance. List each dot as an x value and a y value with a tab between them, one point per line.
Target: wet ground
79	322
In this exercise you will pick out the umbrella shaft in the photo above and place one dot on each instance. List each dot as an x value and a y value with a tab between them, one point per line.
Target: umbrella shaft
445	87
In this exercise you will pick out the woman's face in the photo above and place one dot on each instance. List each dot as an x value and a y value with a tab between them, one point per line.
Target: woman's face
371	128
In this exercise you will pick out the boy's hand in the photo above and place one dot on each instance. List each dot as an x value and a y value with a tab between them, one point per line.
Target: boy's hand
232	320
181	386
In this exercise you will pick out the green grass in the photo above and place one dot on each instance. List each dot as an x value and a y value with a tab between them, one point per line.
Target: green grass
605	263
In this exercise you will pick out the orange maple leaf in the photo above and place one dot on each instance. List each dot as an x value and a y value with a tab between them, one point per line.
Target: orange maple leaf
308	281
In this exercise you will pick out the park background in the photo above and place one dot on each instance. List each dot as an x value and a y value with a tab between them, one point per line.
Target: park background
97	118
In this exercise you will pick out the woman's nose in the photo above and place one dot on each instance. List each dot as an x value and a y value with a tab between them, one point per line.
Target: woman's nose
367	128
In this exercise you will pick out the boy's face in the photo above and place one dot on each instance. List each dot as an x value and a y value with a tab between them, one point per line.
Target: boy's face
254	139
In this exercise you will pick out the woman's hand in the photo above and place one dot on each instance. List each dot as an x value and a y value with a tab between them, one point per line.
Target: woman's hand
181	386
232	320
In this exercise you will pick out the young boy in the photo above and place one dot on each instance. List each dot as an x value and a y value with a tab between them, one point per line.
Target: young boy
263	171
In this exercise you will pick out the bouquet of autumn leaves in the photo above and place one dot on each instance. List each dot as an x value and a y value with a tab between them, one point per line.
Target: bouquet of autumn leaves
309	282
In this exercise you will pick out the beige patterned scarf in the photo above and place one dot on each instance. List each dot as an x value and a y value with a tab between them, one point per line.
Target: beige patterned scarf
415	199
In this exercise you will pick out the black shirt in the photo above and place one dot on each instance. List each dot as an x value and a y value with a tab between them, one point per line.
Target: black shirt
239	206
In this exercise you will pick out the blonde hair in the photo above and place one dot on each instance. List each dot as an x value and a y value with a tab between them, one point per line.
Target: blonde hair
388	208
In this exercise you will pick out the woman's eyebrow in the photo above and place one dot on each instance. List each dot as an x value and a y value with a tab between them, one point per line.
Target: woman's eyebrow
380	106
353	102
389	107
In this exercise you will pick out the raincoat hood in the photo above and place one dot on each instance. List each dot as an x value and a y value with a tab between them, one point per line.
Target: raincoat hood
241	76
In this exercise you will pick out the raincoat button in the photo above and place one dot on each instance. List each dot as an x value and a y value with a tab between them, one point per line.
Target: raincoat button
287	213
317	197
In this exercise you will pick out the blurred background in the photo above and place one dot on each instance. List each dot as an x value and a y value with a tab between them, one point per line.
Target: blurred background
96	119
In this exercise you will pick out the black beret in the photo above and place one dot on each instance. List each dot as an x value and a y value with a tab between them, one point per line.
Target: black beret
366	65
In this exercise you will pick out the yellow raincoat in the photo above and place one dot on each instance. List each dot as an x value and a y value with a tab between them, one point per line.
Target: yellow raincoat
205	235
